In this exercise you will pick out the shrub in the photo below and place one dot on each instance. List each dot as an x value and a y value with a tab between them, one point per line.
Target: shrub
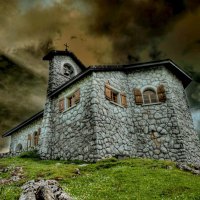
30	154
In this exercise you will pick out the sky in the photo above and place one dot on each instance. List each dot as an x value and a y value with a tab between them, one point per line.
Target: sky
98	32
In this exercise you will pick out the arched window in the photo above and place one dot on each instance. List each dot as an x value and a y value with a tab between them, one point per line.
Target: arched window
68	70
18	148
149	96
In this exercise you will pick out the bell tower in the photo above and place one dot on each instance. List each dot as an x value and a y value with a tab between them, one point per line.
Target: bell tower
63	66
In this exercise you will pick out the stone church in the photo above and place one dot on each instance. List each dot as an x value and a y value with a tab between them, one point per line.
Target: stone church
96	112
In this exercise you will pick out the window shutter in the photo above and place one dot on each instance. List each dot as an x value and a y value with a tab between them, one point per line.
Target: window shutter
29	137
138	96
77	96
38	135
35	139
61	105
123	99
39	131
108	92
29	140
161	93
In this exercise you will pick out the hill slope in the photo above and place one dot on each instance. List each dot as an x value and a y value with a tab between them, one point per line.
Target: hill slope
108	179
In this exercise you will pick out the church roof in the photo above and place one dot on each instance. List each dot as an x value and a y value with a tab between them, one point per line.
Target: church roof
24	123
53	53
169	64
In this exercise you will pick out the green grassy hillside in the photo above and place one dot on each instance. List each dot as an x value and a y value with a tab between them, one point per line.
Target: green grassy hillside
107	179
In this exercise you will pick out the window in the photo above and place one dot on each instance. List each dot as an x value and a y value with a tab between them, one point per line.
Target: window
68	70
149	96
69	101
115	96
18	148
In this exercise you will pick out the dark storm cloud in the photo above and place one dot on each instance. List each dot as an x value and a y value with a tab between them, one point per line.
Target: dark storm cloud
141	30
136	24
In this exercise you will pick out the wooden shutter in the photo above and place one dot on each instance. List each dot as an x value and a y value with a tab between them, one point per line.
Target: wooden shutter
38	135
138	96
39	131
61	105
29	140
161	93
108	92
123	99
35	138
29	137
77	96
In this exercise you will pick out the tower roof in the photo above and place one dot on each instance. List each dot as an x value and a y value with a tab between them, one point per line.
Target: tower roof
53	53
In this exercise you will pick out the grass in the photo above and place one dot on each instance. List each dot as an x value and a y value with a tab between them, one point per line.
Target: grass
139	179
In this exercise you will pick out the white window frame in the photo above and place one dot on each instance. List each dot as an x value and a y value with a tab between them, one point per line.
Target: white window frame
67	102
66	97
119	101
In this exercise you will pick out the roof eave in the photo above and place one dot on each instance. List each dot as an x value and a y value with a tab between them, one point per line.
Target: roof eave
24	123
185	78
53	53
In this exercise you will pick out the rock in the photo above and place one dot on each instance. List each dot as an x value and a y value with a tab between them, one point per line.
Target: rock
185	167
43	190
58	164
177	146
164	150
16	175
157	151
77	171
64	196
83	165
28	196
169	167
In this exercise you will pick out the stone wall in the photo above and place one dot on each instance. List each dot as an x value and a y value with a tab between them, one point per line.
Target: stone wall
154	130
174	136
21	136
96	128
156	125
5	155
188	135
114	127
70	134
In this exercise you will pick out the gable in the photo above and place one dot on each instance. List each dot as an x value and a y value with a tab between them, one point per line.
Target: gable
51	54
25	123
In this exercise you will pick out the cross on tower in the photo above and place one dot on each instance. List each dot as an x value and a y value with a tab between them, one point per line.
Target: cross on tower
66	46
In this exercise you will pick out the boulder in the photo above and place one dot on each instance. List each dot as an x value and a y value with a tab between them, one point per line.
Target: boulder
43	190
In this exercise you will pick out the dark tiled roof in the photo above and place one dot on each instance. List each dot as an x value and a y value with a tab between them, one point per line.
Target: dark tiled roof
31	119
169	64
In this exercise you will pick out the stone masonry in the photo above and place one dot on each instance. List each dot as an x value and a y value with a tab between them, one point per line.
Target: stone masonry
95	127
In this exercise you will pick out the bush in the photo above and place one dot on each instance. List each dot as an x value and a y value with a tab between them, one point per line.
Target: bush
30	154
